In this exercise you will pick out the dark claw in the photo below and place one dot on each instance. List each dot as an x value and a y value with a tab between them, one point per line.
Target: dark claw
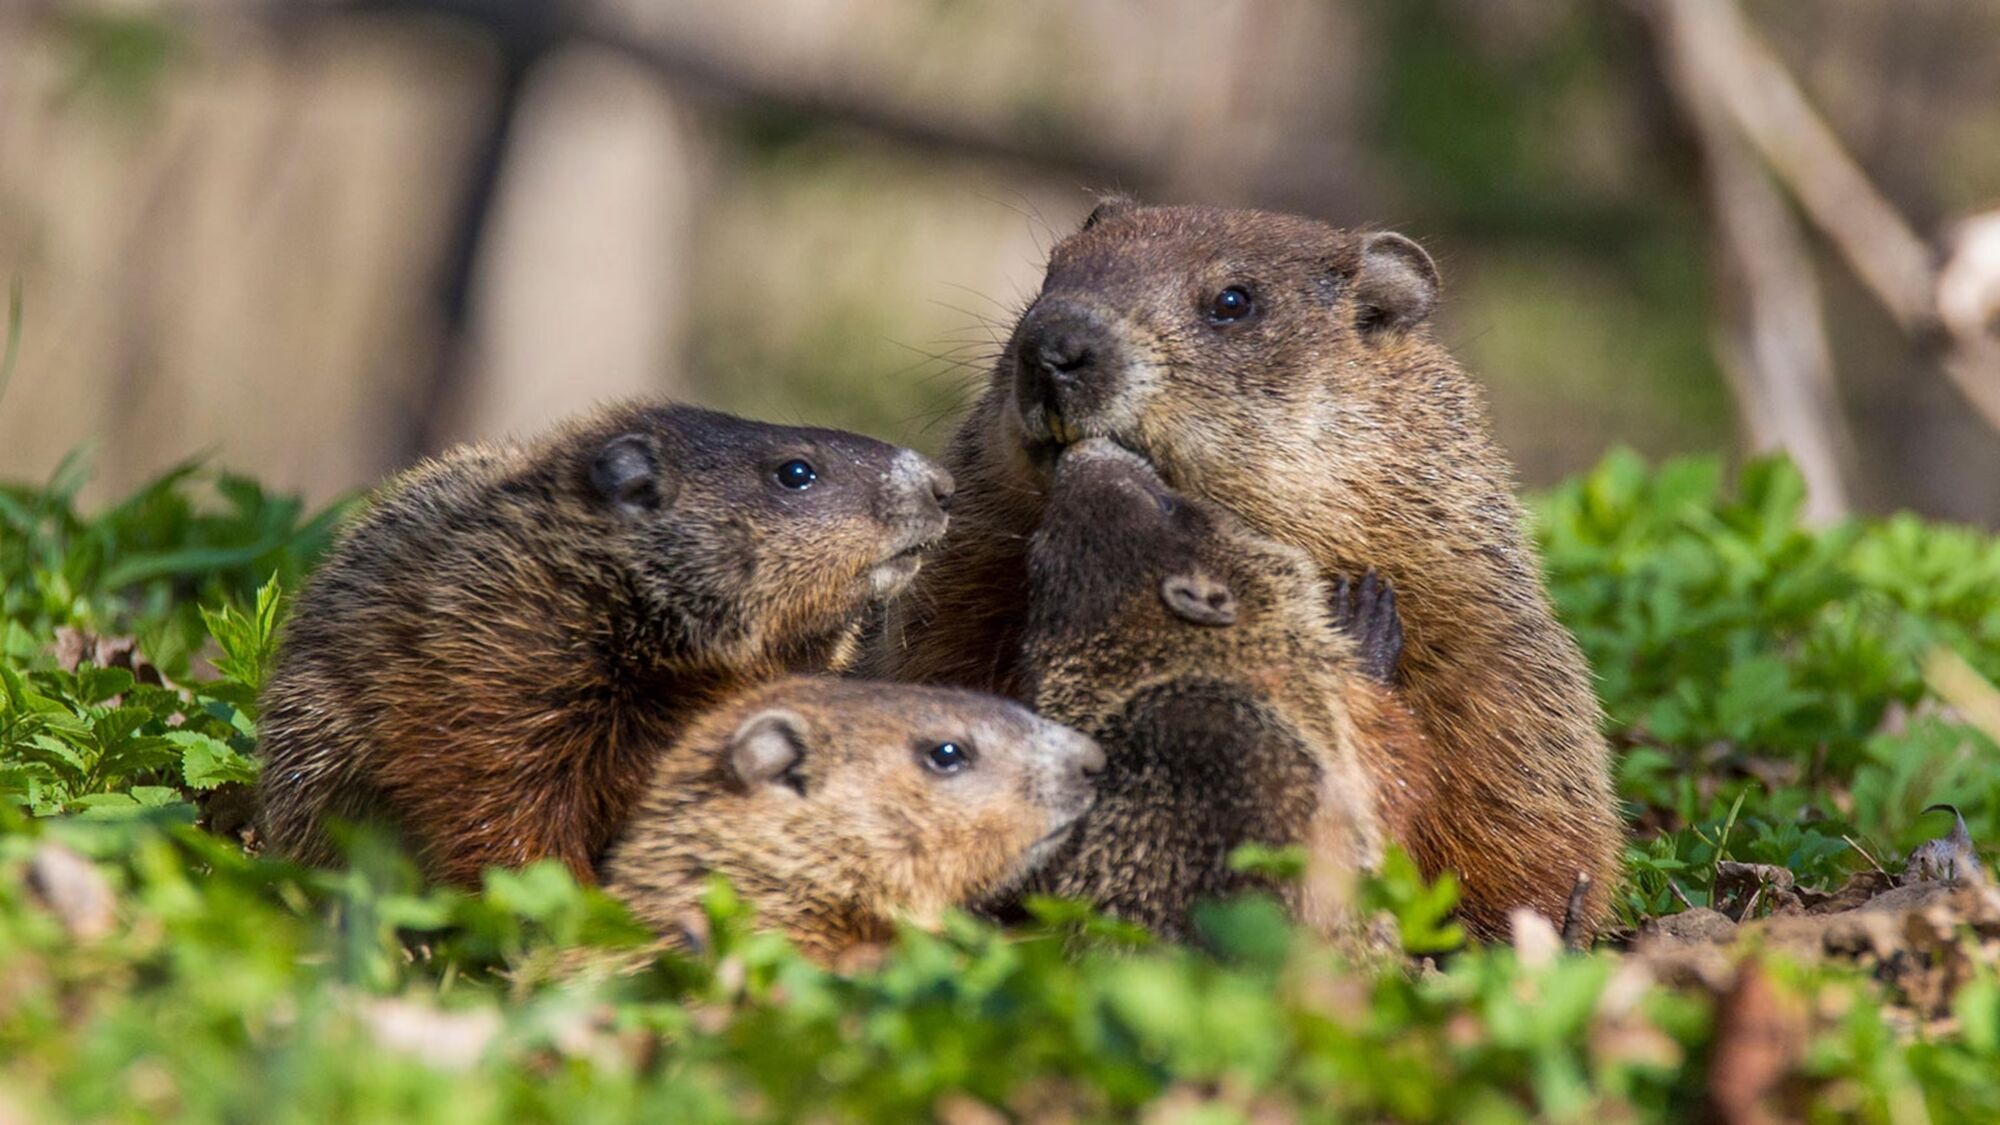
1366	611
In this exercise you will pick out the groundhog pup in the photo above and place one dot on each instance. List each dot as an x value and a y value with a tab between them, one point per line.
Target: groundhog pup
836	807
1207	661
1283	369
495	651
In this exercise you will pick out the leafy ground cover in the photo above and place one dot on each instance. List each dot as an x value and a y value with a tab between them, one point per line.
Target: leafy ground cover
1787	702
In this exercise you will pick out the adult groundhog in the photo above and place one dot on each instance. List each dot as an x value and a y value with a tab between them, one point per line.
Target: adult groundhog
1208	662
1283	368
836	807
493	654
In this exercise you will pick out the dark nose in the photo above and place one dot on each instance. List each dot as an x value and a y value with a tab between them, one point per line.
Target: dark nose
942	488
1061	355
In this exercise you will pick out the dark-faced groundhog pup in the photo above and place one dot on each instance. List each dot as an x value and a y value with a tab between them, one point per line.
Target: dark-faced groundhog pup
1283	369
495	652
838	807
1207	661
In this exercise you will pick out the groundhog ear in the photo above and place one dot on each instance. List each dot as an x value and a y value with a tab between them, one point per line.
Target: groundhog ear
627	473
1107	206
1396	284
1199	598
766	747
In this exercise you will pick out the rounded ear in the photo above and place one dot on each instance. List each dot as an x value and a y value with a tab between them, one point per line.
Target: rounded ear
627	472
1107	206
1199	598
766	747
1396	284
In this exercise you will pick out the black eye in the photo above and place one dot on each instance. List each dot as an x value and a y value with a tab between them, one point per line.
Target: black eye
1231	304
797	474
947	757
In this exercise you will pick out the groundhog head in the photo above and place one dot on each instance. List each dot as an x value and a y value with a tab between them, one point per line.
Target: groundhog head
1117	550
1222	344
846	801
742	537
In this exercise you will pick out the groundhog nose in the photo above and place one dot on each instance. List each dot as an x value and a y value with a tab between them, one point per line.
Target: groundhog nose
919	493
1059	354
1060	359
942	488
1090	758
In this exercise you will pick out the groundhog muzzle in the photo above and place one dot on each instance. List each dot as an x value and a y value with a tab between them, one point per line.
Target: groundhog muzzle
499	646
1206	661
1284	369
837	807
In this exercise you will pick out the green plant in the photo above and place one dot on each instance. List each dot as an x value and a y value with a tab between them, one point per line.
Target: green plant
1765	682
1766	685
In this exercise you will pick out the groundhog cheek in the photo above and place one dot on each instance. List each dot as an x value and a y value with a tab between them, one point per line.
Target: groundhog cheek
1002	835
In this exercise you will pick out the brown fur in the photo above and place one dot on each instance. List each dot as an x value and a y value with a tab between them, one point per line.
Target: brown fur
1204	658
1329	419
496	649
858	832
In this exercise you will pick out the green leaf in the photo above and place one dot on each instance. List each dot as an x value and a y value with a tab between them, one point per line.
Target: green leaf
63	753
95	685
208	762
1285	865
107	806
249	644
189	561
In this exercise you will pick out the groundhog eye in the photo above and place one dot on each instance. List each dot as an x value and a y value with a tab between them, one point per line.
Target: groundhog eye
1231	304
947	757
797	474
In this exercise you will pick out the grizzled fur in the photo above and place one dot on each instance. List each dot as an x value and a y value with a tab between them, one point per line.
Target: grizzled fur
1326	417
497	649
1207	662
814	797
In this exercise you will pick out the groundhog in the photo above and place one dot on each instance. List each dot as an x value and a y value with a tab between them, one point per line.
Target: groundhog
494	653
1215	668
836	807
1283	368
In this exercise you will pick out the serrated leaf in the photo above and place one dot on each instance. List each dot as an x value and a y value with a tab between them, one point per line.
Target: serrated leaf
61	751
95	685
207	762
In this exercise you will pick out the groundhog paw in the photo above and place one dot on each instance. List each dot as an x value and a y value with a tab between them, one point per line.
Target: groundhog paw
1366	611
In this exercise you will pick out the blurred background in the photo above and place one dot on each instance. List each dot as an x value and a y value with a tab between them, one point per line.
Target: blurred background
316	240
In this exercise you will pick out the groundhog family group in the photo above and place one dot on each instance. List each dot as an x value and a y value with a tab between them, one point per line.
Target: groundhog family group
1224	554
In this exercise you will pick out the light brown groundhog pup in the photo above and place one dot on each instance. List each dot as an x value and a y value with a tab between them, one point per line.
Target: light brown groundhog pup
837	807
1209	663
1283	369
495	652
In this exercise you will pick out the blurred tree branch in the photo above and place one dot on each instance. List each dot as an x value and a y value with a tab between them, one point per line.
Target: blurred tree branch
525	32
544	25
1723	59
1772	342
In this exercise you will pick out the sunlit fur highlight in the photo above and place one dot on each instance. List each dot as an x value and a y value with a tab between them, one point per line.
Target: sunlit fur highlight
1217	735
1367	447
867	836
494	653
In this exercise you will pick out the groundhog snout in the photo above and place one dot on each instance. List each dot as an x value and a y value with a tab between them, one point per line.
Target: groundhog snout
1071	762
915	498
1089	757
1067	365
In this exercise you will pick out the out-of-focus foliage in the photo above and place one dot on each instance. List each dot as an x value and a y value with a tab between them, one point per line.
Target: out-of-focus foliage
1751	666
1764	683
